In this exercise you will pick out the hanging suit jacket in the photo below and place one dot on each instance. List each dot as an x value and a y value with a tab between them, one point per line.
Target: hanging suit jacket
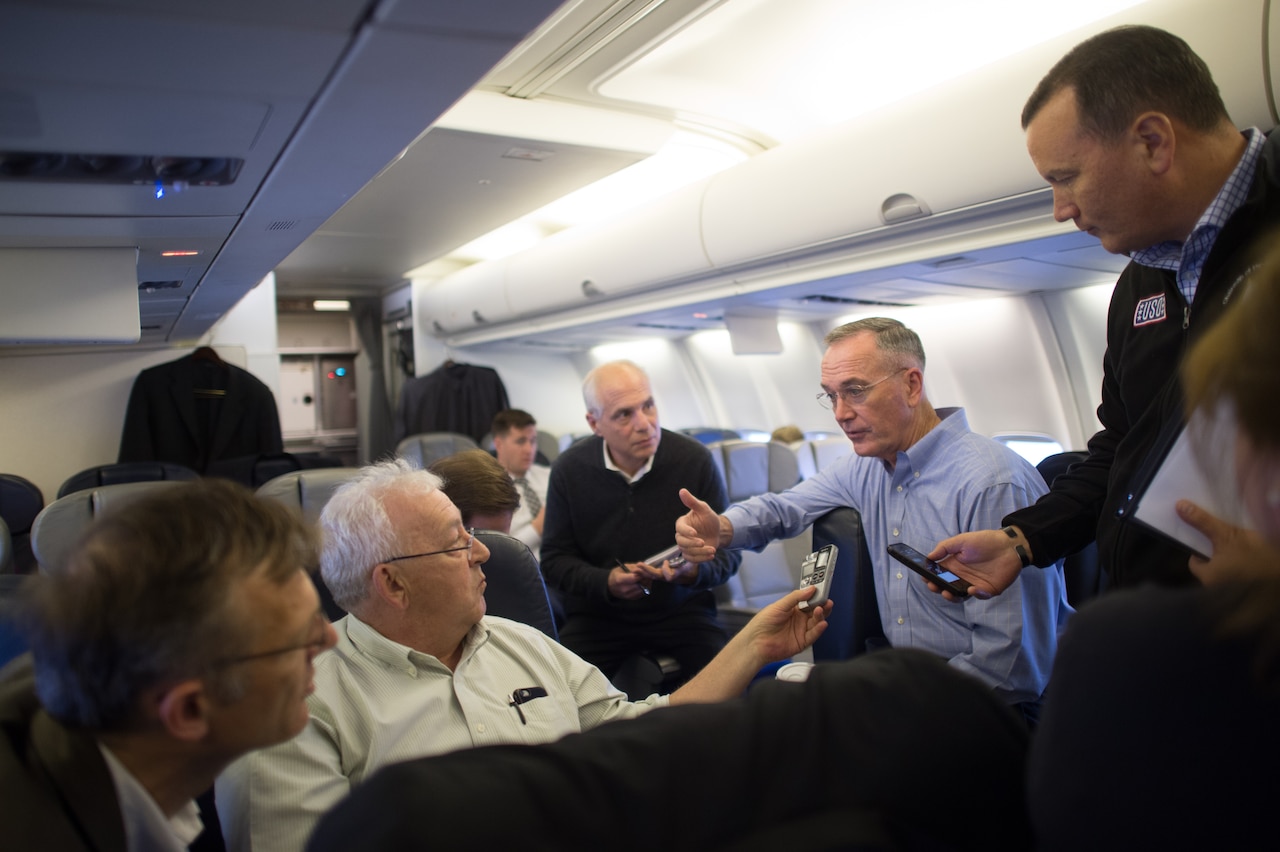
460	398
168	420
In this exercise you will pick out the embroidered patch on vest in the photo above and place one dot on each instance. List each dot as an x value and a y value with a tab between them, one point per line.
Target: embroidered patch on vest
1150	309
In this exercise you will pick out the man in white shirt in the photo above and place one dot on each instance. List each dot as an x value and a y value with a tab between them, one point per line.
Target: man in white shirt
515	439
179	636
420	670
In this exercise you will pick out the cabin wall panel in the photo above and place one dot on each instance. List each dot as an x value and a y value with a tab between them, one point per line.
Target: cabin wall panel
763	391
675	386
64	410
989	357
547	386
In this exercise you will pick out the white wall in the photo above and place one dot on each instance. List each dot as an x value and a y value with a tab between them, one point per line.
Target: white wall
64	408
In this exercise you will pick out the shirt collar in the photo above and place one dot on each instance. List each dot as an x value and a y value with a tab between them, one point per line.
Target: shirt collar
934	443
392	654
1233	194
145	825
609	465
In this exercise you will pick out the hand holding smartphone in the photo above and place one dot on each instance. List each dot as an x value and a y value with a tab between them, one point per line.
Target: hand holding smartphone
816	570
930	570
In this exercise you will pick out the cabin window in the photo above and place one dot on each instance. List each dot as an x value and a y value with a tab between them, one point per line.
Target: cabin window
1033	447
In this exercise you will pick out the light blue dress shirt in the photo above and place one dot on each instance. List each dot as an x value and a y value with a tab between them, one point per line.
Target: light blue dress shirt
951	481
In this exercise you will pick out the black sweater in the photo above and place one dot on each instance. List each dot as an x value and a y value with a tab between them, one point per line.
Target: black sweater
595	519
1141	398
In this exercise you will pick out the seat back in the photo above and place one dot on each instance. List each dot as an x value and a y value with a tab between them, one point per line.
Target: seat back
20	501
60	524
828	450
514	586
121	472
6	549
12	642
710	434
805	462
424	448
752	468
1082	573
307	491
855	619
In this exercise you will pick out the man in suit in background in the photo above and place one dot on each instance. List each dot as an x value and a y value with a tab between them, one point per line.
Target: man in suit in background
515	440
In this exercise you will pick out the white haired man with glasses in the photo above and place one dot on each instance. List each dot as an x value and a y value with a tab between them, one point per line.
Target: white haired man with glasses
916	476
419	669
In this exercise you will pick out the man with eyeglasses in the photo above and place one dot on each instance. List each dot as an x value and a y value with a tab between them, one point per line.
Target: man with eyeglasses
420	670
916	476
610	505
180	635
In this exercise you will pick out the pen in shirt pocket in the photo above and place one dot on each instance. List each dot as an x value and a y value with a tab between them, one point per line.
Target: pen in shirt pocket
624	567
520	696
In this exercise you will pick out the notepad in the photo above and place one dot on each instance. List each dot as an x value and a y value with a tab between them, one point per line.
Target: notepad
1181	475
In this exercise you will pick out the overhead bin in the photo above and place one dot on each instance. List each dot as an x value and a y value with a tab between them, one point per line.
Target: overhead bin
953	148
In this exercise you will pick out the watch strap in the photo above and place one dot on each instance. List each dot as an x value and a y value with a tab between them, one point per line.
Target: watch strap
1018	548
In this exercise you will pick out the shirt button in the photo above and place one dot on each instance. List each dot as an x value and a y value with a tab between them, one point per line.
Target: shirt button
917	474
899	489
480	729
901	619
899	575
895	532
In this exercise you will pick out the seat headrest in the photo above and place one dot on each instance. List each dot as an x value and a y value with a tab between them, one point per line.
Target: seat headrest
20	501
426	447
59	525
307	490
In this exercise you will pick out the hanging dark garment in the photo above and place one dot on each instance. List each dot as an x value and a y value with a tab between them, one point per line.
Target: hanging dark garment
197	410
459	398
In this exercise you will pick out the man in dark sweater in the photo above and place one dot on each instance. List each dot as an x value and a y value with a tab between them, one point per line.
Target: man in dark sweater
612	503
1130	131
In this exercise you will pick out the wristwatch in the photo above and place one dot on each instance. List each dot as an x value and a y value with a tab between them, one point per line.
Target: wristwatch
1017	548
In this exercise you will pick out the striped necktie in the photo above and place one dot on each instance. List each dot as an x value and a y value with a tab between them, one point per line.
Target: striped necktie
529	496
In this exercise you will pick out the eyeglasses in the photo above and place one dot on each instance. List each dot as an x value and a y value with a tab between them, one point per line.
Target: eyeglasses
854	395
471	540
314	646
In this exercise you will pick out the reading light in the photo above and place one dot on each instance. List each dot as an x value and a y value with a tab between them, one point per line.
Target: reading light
331	305
179	253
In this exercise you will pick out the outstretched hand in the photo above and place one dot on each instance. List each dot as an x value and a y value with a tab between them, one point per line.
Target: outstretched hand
985	559
698	530
1238	553
782	629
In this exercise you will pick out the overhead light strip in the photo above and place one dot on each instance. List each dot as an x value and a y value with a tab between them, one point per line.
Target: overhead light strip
617	19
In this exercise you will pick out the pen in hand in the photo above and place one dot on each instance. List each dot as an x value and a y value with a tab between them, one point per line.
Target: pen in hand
624	567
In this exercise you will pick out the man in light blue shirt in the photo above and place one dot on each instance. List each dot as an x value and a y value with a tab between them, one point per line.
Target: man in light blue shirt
917	476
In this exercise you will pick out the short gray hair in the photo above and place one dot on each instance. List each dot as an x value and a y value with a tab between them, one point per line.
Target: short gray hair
591	384
891	336
355	529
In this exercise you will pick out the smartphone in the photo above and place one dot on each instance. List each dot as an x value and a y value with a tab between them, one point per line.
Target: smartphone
935	573
671	554
816	570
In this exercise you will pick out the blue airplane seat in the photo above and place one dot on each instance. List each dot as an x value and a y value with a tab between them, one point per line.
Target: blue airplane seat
854	625
20	502
1081	571
121	472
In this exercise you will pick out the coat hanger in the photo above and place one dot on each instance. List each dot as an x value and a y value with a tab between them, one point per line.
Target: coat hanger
207	353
